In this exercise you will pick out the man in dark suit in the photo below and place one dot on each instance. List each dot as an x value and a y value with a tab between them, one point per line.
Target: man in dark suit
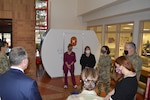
14	84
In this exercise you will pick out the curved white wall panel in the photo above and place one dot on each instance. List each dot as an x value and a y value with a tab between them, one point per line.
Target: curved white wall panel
55	44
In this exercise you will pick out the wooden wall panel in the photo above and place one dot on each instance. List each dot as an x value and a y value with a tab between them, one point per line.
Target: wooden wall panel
22	13
6	14
7	5
1	5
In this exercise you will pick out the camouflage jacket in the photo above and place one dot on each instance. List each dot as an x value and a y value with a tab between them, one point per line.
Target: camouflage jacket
136	61
104	66
4	63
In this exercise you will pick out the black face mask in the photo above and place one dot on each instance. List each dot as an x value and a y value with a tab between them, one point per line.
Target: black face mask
103	51
126	52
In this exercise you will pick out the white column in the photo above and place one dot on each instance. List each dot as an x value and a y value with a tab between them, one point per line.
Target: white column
136	33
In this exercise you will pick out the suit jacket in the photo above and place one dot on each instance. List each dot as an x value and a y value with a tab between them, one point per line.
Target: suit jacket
15	85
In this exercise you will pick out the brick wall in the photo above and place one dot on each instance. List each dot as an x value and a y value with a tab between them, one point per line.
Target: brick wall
22	13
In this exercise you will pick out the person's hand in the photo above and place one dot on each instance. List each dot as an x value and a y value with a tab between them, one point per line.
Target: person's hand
107	97
69	66
96	68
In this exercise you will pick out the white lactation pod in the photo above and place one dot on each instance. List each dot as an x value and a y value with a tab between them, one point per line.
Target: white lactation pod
55	44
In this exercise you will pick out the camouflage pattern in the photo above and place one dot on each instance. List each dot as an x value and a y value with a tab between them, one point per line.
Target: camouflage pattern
137	63
4	64
104	66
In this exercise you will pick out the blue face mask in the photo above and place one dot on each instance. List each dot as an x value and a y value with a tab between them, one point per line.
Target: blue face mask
118	70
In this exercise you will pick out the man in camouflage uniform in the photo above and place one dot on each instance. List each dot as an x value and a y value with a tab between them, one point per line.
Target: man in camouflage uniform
4	63
130	52
104	66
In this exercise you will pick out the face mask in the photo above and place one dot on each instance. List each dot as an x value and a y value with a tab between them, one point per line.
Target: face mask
126	52
118	71
103	51
70	49
7	50
87	51
89	84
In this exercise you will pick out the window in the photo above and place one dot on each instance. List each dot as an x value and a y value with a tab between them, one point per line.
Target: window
145	47
41	18
116	36
126	32
42	14
110	38
6	31
98	31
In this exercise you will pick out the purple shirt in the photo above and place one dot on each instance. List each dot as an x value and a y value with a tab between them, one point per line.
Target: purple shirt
69	58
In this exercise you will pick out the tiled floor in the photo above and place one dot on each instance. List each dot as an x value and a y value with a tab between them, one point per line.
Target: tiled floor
52	88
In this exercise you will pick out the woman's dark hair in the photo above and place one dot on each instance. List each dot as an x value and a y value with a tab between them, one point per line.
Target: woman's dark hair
86	48
2	44
107	49
70	45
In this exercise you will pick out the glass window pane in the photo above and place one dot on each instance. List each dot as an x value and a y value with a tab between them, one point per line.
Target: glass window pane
38	36
124	37
111	28
99	36
99	29
42	4
91	28
110	42
41	8
41	17
127	27
146	26
146	49
7	37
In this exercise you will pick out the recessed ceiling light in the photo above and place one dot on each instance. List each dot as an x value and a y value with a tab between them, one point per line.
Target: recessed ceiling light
109	26
146	29
126	28
131	24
